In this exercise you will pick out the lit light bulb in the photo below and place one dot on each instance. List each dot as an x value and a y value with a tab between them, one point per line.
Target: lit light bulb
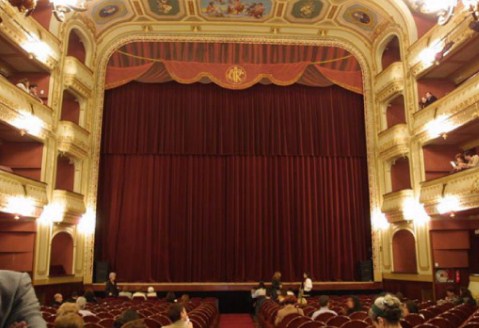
86	225
52	213
379	220
439	127
20	206
414	211
448	204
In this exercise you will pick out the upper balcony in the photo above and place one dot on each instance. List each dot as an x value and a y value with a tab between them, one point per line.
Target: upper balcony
462	186
15	105
29	35
73	139
458	107
394	142
422	52
393	204
72	204
390	81
78	77
15	186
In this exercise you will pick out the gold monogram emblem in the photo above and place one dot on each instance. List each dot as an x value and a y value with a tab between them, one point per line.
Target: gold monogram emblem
235	74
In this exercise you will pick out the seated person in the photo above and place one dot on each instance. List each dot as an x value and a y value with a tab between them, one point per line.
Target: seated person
140	323
423	102
70	320
451	296
57	300
90	296
353	304
324	307
260	291
465	297
33	90
430	98
459	164
178	316
67	308
81	303
472	159
170	297
151	292
386	312
410	307
125	317
290	307
24	84
19	304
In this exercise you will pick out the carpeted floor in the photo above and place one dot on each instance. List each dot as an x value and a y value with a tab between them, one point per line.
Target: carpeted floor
236	321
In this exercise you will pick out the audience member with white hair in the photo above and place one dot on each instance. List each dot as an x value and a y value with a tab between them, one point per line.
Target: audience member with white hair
111	287
81	303
151	292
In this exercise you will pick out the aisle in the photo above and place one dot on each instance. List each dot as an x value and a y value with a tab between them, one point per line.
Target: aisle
236	321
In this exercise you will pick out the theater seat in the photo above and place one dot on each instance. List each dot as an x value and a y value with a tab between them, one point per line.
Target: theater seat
324	317
441	323
338	321
361	315
355	324
414	319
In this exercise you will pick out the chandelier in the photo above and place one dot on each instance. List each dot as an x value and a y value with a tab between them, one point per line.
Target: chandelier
63	7
444	9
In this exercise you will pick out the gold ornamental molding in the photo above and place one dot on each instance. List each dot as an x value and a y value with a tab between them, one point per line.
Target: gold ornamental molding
73	140
388	80
72	203
393	204
78	77
408	277
394	142
13	185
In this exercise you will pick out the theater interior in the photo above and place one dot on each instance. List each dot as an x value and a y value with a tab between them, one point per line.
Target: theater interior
199	146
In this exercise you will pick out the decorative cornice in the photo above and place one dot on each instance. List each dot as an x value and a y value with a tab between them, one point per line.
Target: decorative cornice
73	140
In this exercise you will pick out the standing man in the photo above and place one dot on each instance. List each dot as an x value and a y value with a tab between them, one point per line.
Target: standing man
111	287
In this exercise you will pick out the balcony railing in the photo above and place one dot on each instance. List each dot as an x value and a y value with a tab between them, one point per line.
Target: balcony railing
14	102
13	185
73	204
390	81
73	139
463	185
78	77
21	30
394	142
393	204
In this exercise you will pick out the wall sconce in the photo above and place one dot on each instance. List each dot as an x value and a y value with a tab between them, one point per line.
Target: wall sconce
429	54
414	211
439	126
52	213
20	206
87	222
448	204
28	123
37	48
379	221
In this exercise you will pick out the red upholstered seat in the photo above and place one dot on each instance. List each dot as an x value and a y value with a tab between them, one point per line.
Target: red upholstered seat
405	324
355	324
453	318
286	320
92	325
312	324
426	325
105	315
107	323
471	325
162	319
308	311
298	321
91	318
415	319
427	314
441	323
361	315
324	317
338	321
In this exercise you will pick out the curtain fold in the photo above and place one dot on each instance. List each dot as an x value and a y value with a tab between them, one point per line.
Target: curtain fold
200	183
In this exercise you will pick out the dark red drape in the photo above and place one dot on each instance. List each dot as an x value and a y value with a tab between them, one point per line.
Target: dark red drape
200	183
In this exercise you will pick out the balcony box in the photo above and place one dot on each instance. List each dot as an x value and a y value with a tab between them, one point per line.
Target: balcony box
393	204
78	77
13	185
73	140
463	185
394	142
73	204
390	81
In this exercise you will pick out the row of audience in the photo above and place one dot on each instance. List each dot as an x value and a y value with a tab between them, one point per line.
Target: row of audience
466	160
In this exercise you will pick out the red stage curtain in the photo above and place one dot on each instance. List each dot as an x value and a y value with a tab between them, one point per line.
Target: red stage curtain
200	183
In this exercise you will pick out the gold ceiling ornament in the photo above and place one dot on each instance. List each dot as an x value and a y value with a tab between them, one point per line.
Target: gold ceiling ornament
62	7
445	9
24	6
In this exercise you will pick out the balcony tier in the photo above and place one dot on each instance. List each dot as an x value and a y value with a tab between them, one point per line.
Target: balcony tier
394	142
20	30
73	139
72	203
13	185
464	185
78	77
393	204
390	81
460	106
14	101
457	31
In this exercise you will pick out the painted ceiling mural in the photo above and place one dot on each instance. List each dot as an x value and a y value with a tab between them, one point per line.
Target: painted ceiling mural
366	20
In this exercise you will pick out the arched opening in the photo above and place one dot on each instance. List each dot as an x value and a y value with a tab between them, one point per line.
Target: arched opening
70	108
65	174
61	256
76	48
400	175
395	113
391	53
404	252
